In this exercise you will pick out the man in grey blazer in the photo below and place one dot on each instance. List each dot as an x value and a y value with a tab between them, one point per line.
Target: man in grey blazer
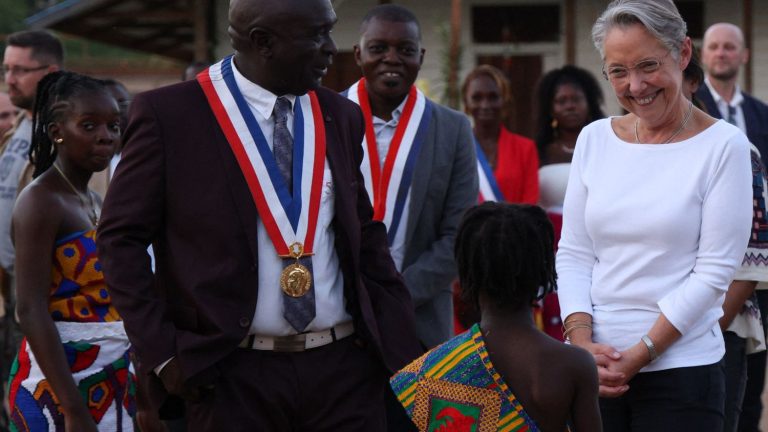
419	165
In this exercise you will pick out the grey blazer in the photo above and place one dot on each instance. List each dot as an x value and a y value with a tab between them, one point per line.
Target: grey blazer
444	186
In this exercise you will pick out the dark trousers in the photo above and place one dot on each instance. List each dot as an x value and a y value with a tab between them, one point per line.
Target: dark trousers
752	407
336	387
735	364
681	399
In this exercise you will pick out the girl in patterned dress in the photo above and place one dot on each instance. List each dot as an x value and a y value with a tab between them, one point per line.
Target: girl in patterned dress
503	374
73	371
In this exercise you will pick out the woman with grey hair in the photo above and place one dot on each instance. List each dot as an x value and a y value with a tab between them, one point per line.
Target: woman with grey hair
656	221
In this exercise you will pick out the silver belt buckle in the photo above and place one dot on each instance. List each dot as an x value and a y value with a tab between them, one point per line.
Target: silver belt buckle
296	343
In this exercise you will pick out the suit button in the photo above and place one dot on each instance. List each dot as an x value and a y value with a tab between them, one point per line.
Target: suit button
244	322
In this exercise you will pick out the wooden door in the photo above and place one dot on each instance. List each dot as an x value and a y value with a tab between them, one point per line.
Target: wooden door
523	72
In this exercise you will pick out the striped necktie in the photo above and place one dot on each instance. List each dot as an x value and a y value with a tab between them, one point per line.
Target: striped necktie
298	311
282	141
732	116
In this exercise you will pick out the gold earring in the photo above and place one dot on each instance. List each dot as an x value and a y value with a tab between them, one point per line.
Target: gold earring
553	123
58	140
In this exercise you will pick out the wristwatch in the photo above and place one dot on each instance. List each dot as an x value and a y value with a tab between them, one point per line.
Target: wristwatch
651	347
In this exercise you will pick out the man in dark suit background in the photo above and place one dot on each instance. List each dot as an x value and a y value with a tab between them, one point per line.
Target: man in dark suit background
198	180
722	54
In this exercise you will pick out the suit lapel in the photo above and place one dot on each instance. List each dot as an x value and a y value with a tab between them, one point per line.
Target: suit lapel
241	195
421	176
709	103
750	118
343	179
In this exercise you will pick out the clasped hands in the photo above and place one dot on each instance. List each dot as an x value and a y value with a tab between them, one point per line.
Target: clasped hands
615	368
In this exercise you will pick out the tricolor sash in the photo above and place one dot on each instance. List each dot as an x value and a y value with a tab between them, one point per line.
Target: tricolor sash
290	217
489	189
389	185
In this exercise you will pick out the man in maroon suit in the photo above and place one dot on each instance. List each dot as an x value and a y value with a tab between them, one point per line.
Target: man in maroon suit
275	304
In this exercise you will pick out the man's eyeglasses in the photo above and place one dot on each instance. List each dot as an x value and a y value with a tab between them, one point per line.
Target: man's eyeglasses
619	73
5	115
20	71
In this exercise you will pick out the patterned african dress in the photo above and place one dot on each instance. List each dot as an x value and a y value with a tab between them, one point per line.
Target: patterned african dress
454	387
94	341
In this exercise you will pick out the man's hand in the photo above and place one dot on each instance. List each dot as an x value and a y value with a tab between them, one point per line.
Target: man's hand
173	381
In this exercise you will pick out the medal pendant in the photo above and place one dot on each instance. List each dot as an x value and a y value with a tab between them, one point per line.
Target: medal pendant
295	280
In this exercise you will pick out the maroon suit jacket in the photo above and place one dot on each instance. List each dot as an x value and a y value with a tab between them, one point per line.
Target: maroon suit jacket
179	188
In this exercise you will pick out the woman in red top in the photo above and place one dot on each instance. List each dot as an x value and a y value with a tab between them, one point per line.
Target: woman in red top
512	158
508	164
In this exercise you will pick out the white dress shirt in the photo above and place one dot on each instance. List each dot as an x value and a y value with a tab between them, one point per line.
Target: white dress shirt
735	104
385	131
328	282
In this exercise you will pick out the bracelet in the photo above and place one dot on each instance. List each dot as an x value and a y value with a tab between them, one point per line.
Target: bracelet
651	347
577	321
574	327
573	323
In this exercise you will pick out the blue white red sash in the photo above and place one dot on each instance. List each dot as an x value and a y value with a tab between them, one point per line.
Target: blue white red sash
390	185
489	189
288	217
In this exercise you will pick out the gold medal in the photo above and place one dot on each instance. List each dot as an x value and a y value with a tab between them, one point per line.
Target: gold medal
296	279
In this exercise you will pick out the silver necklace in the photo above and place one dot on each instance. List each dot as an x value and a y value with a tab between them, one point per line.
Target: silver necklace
671	137
567	149
92	215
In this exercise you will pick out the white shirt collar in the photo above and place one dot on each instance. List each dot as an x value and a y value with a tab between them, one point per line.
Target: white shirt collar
261	99
395	115
738	98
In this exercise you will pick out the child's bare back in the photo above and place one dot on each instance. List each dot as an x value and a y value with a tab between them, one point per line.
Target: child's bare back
505	260
554	382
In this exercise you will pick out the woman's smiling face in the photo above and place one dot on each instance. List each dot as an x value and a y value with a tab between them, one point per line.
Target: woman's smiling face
646	77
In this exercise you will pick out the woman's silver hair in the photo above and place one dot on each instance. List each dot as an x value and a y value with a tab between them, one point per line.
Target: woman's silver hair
660	17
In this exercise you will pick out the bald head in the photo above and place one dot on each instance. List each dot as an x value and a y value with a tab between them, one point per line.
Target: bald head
724	29
723	52
248	17
285	46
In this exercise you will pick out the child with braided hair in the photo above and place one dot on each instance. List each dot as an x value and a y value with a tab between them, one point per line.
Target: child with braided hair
73	370
503	373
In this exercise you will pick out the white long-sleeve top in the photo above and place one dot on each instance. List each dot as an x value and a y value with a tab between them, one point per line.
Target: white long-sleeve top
655	228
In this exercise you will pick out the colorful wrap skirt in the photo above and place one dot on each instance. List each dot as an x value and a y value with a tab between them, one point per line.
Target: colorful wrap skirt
99	358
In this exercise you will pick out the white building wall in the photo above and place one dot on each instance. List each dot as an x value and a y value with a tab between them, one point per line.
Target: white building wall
759	50
436	13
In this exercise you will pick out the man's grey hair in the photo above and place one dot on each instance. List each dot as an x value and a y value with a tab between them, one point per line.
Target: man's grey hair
660	17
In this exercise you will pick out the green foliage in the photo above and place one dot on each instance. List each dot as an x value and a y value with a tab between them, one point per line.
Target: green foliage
86	55
12	16
450	67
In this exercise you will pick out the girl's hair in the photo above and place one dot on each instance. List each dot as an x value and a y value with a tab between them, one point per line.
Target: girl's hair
506	251
694	72
548	85
54	97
